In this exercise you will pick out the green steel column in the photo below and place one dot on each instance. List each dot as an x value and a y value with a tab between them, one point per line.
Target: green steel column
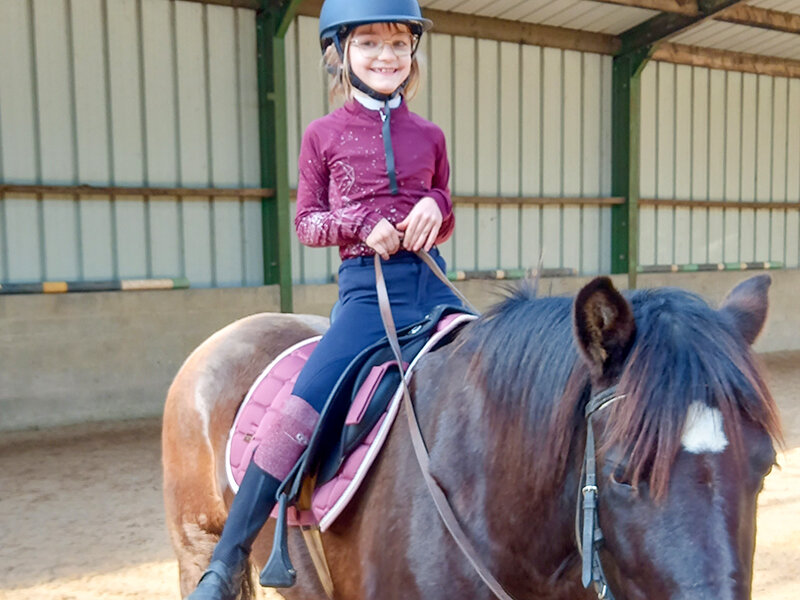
271	24
626	115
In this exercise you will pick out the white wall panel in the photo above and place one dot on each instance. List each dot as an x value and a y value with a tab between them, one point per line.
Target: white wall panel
127	142
53	53
665	148
748	166
592	118
552	152
508	152
463	155
440	81
716	169
764	148
735	140
648	165
699	157
683	163
151	92
193	154
22	252
571	171
487	221
531	154
780	120
605	162
249	159
224	135
733	158
92	119
161	151
129	93
793	175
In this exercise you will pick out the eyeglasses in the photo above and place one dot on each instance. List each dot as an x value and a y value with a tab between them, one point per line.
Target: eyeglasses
372	46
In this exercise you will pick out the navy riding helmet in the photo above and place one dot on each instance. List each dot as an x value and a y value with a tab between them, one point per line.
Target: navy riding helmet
338	17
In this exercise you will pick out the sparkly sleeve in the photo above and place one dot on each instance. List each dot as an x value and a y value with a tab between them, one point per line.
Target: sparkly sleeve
316	223
440	191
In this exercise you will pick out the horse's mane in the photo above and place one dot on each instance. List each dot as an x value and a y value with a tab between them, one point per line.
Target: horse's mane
526	361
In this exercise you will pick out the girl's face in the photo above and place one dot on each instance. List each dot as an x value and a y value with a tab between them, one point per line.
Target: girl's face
380	55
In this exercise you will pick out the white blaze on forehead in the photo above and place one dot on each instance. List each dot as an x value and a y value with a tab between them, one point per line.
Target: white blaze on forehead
703	431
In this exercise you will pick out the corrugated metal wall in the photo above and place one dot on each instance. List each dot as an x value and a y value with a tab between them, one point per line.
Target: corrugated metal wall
128	93
163	93
720	136
519	121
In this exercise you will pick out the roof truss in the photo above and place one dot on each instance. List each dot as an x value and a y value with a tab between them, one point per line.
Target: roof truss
666	25
741	14
677	16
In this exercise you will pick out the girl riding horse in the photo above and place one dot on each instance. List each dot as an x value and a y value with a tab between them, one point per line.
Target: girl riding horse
373	179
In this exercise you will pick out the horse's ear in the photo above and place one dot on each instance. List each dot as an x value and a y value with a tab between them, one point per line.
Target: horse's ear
746	306
604	328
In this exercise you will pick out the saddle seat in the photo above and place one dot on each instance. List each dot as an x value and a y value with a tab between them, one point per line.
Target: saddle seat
353	424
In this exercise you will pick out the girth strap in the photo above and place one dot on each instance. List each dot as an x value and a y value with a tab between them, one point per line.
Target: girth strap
420	450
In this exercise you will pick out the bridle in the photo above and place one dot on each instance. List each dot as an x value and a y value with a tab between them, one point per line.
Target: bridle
589	536
592	536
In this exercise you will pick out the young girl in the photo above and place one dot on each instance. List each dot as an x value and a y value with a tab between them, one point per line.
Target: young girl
373	179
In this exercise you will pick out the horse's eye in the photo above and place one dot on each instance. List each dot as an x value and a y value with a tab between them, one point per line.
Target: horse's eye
620	478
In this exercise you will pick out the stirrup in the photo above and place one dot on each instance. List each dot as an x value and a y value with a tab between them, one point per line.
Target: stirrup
279	571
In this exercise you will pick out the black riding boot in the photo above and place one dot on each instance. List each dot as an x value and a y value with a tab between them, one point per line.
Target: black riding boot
249	511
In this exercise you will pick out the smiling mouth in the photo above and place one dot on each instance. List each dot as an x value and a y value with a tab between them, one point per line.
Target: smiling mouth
384	71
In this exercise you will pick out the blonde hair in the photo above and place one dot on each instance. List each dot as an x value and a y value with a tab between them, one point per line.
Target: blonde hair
339	84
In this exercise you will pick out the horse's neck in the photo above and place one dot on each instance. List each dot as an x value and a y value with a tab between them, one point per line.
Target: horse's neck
486	470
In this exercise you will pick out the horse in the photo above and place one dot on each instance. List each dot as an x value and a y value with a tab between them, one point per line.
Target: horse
682	451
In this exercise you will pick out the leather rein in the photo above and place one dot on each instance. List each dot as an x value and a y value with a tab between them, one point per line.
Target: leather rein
592	535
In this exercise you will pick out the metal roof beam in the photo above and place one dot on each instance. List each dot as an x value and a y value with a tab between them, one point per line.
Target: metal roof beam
712	58
505	30
251	4
679	7
753	16
741	14
666	25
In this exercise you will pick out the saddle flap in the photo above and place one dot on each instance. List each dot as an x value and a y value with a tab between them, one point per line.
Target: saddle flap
337	438
367	391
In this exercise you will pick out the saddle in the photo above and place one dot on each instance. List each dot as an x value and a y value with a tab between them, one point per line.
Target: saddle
353	425
362	394
354	407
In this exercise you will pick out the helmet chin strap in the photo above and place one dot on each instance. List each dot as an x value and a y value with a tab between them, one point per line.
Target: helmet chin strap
363	87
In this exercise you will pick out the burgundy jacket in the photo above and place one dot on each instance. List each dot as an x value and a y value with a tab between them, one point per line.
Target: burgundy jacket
343	189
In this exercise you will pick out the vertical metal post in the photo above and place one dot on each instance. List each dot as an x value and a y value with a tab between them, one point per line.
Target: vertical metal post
271	24
626	116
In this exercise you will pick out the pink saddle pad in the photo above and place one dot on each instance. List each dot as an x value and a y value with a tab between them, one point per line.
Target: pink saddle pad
277	380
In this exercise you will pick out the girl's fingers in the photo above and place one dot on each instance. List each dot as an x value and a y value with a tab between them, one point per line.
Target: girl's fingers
431	238
417	231
410	233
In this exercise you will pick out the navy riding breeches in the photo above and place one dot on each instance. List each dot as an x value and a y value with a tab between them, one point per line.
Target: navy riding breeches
413	291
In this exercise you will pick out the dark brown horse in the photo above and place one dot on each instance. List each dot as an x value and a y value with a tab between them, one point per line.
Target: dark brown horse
682	453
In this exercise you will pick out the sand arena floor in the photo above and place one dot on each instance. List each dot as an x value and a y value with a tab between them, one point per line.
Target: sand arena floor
81	515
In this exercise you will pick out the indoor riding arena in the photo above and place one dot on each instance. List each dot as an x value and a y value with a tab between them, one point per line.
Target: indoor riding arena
148	153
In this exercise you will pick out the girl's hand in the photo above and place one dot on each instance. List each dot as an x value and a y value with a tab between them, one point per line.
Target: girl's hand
421	226
384	239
